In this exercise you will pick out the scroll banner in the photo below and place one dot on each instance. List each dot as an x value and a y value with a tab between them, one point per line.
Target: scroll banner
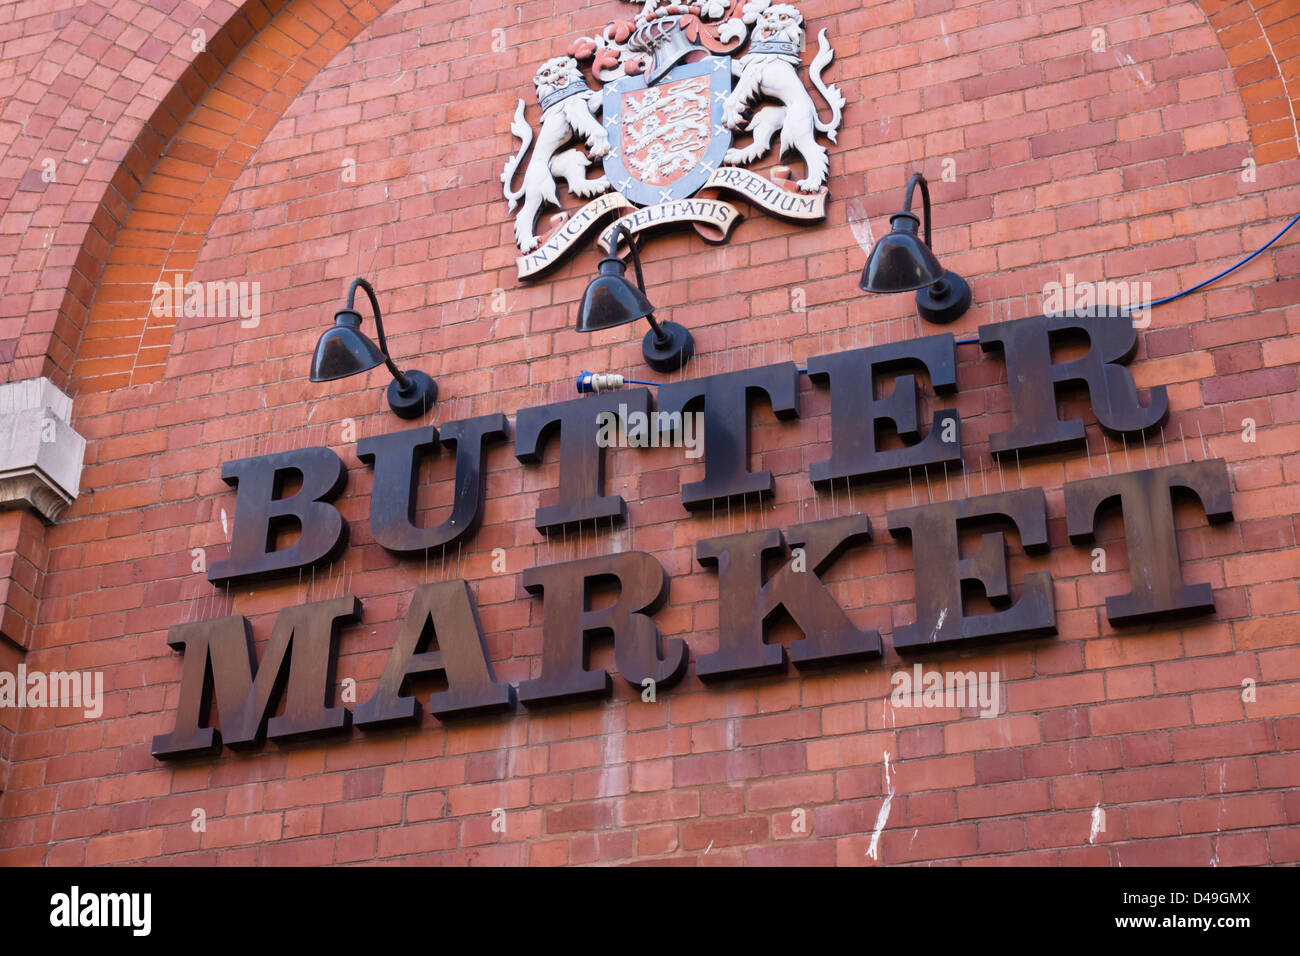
712	218
770	194
562	240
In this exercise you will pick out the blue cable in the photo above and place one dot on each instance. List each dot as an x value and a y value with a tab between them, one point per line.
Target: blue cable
1201	285
1149	305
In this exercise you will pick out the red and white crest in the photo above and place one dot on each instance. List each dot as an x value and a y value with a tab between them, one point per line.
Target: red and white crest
680	82
667	139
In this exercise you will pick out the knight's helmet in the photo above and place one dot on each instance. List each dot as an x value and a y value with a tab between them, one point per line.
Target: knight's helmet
665	41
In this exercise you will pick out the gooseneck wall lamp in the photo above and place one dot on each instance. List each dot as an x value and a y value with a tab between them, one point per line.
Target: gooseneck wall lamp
611	300
345	350
901	262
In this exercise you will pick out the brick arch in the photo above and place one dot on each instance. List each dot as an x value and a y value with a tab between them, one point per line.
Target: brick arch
1262	41
77	79
188	156
173	181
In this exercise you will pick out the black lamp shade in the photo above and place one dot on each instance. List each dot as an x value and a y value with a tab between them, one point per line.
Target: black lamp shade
344	350
901	261
611	300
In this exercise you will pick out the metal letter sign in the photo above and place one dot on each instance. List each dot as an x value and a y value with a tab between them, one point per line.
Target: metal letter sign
941	573
1033	378
261	513
581	495
746	601
568	623
289	694
219	658
1145	499
856	414
725	402
444	613
396	459
668	116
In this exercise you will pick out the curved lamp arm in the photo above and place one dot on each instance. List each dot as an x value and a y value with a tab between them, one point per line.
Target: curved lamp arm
918	179
402	382
620	232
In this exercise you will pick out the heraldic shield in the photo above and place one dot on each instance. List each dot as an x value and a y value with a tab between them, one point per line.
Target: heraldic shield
668	138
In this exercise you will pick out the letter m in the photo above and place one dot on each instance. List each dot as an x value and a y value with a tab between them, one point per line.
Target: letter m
297	667
222	299
116	909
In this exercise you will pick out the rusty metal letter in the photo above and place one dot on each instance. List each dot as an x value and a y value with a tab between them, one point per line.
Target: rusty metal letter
298	665
581	493
260	514
396	458
745	601
940	571
1146	500
1033	380
444	612
725	401
568	623
856	414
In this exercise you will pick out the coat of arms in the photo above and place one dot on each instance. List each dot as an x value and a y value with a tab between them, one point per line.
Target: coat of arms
675	88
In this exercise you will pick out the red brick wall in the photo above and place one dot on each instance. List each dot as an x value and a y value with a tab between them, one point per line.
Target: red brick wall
1122	164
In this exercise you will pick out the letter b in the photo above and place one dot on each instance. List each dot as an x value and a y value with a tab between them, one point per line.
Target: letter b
260	514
